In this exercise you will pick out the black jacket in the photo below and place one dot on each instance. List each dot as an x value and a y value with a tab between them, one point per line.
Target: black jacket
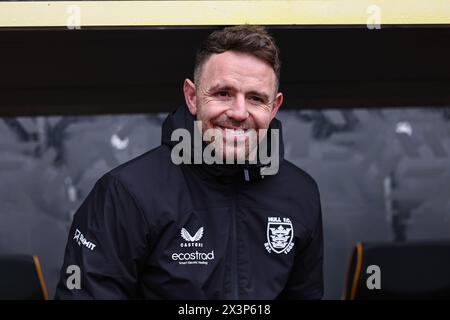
152	229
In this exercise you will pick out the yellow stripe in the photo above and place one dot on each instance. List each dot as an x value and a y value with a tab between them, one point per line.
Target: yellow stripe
41	277
191	13
359	252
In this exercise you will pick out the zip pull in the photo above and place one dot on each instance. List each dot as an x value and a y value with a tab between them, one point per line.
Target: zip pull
246	175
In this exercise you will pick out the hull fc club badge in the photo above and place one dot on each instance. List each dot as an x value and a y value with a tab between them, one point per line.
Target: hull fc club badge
280	234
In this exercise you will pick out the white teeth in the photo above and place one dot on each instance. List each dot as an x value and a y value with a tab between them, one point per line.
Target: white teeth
235	131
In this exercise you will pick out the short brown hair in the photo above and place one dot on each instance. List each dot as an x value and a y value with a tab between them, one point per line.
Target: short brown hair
251	39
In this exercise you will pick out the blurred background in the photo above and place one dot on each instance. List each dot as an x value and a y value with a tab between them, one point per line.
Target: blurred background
383	174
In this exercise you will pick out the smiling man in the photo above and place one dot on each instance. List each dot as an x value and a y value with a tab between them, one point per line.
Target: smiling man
160	228
235	92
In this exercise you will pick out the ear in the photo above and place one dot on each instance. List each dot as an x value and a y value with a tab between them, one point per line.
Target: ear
277	104
190	96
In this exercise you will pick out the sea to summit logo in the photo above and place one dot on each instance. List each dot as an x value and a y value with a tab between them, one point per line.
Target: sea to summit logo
192	241
280	233
81	240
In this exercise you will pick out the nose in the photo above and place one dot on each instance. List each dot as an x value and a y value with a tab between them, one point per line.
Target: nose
238	111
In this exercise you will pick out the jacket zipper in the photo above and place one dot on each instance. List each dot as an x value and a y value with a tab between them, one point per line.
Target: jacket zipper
234	266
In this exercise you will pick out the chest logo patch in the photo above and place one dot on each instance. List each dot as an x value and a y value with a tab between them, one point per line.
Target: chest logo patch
187	256
192	240
280	234
187	236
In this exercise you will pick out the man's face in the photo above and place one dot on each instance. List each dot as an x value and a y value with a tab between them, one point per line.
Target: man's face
236	93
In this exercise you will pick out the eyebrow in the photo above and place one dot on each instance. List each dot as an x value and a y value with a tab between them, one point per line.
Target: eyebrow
262	95
220	87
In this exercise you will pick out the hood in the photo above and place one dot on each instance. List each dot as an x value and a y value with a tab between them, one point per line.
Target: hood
181	118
